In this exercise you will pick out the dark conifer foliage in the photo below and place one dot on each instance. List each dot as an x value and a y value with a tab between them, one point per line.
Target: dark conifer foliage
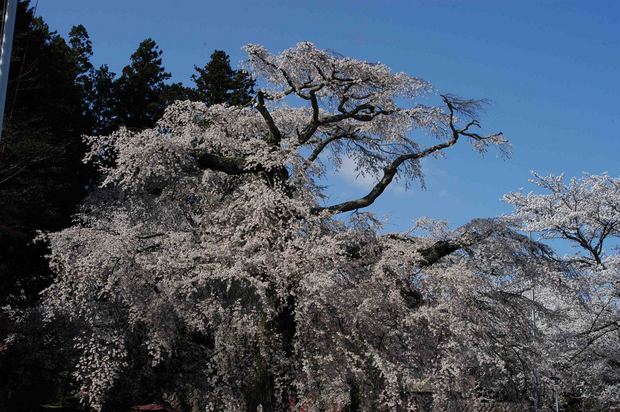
101	100
42	179
140	88
41	174
55	97
217	82
177	91
82	48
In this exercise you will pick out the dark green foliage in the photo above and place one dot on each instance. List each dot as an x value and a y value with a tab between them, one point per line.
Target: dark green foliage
41	174
100	101
217	82
43	94
95	84
55	97
176	91
81	47
34	368
140	88
42	179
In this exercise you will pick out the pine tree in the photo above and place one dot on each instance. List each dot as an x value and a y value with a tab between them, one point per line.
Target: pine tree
140	87
82	51
81	47
177	91
217	82
101	99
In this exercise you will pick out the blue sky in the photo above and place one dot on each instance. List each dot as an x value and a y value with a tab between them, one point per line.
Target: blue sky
549	68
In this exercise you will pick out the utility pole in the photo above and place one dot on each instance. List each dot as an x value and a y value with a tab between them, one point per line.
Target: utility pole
8	28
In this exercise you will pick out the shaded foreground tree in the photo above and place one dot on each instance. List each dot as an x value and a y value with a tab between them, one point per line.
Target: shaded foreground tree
55	96
207	273
41	173
42	181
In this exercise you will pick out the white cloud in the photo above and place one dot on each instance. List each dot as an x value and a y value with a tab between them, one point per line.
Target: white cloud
348	173
398	188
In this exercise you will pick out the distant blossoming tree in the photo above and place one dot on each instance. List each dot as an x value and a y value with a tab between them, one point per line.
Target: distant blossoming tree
207	272
586	213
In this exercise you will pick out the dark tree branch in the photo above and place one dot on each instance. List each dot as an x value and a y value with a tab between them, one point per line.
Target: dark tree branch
235	166
371	112
475	232
275	136
389	172
314	123
364	113
437	251
229	165
596	335
442	248
322	145
579	238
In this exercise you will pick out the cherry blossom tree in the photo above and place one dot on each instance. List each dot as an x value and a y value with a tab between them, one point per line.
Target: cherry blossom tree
586	214
208	271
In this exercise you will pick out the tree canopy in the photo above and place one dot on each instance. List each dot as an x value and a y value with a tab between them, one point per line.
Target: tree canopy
197	261
139	87
207	272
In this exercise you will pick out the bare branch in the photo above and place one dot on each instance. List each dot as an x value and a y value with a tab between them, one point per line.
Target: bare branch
236	166
355	113
311	128
442	248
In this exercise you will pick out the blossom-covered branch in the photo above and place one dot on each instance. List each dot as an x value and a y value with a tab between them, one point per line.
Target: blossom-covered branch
390	171
205	253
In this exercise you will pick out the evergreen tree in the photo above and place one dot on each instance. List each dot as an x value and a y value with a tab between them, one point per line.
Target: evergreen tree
82	51
42	179
101	100
97	85
140	88
217	82
41	173
177	91
81	47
